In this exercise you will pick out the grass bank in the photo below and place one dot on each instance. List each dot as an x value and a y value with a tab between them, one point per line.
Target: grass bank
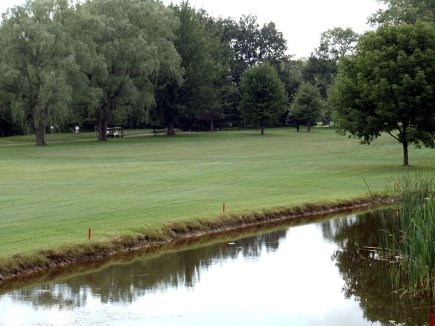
51	195
20	267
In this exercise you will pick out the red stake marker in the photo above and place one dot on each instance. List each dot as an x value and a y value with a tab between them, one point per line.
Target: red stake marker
432	319
89	233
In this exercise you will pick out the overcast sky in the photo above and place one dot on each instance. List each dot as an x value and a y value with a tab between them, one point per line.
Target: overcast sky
301	21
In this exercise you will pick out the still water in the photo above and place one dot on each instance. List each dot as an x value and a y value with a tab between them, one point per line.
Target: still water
314	274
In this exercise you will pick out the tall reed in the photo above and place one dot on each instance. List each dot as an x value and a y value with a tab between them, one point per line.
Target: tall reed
411	247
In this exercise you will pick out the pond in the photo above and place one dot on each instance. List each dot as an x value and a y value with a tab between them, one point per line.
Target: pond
321	273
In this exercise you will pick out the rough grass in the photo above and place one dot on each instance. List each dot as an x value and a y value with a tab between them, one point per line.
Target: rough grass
50	195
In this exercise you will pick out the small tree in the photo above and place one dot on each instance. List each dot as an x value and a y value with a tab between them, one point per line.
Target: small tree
307	105
262	96
388	86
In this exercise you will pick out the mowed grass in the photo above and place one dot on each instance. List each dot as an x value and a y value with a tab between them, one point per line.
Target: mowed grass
50	195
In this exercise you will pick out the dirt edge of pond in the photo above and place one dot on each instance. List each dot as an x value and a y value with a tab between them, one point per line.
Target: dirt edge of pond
25	266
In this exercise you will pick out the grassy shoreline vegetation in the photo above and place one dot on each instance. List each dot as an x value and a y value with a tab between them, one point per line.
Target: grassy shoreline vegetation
138	186
410	248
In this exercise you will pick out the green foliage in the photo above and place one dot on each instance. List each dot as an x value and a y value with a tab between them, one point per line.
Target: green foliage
135	51
411	248
307	105
291	74
198	42
252	45
321	67
101	62
404	11
36	60
83	28
336	43
388	86
320	72
97	60
262	96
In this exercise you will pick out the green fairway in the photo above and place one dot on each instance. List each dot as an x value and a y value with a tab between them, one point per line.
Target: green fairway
50	195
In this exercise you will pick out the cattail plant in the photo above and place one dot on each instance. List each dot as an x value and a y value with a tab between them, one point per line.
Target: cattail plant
411	248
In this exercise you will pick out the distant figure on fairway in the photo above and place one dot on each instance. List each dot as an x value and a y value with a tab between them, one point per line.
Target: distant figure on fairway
77	129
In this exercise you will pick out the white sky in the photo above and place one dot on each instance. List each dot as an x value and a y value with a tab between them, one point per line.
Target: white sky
301	21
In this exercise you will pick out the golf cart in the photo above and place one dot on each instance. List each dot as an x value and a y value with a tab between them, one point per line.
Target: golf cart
115	132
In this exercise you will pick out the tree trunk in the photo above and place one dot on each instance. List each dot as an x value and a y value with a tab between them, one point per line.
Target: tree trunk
101	129
171	130
309	124
40	137
405	153
40	132
211	125
403	138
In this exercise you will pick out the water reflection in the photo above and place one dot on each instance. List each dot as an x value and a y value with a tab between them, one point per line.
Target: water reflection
366	277
126	282
322	273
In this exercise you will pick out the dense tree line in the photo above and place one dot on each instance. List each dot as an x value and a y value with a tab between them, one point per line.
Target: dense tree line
136	63
139	63
102	62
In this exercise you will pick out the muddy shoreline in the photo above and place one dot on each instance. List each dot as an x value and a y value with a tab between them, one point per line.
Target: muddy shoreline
19	268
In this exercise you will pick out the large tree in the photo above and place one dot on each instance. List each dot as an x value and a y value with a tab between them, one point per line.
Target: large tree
83	29
320	72
321	67
135	40
198	42
336	43
388	86
36	62
291	74
252	44
263	96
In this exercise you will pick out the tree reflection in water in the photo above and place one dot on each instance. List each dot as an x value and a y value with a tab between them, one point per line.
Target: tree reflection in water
366	277
127	282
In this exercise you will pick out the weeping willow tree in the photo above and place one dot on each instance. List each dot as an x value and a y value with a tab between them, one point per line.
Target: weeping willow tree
36	60
62	60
